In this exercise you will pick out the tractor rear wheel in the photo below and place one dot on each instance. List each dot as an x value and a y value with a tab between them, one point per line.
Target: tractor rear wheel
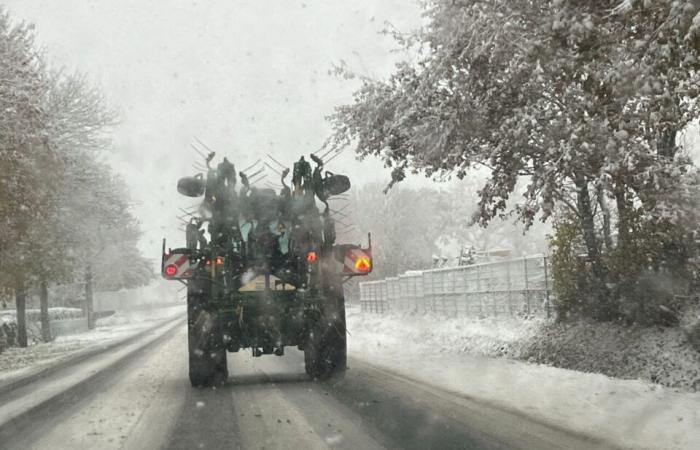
207	354
325	351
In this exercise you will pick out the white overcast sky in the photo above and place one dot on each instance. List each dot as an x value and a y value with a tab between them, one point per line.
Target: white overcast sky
246	76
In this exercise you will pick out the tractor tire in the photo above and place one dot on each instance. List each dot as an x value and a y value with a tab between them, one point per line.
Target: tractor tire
207	354
325	351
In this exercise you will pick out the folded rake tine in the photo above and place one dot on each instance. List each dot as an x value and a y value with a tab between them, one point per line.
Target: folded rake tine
333	157
203	144
259	179
251	166
276	162
250	177
199	151
343	223
339	213
273	169
326	154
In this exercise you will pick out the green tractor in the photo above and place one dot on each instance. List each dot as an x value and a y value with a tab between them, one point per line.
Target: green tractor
266	273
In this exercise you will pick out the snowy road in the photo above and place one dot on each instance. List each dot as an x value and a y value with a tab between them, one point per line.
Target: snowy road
267	403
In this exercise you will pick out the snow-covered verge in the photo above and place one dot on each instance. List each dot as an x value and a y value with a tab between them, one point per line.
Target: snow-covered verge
659	355
16	362
33	315
457	355
490	336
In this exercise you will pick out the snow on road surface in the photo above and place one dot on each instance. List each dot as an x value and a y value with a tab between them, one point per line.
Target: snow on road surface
626	413
145	402
17	362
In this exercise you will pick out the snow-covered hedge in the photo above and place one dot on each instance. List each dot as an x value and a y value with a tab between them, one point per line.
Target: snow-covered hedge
661	355
34	315
8	323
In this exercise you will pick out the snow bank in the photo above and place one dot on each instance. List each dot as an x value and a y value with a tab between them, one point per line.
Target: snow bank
32	315
489	336
658	355
14	362
626	413
137	316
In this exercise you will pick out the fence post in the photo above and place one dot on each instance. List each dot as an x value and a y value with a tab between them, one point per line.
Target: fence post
546	288
373	307
527	287
493	290
455	296
509	287
478	290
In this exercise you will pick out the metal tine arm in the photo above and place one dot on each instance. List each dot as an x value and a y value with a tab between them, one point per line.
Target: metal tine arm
251	166
203	144
343	208
333	157
259	179
274	169
250	177
198	151
326	154
276	162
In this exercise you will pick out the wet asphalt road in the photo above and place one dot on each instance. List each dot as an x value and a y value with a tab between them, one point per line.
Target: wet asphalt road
269	403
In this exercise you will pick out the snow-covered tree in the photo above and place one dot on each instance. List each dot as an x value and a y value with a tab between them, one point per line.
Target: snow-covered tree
26	192
57	201
582	99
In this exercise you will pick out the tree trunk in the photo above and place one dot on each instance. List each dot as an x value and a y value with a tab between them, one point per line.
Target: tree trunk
586	218
44	307
21	304
622	215
666	145
602	201
88	298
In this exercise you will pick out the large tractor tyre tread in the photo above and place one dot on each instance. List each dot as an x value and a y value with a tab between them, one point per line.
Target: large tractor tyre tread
208	369
325	353
207	356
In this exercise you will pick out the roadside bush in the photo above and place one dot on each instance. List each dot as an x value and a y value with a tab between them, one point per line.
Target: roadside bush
573	281
648	269
644	273
566	269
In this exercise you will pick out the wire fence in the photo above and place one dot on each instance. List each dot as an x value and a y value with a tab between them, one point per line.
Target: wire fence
520	286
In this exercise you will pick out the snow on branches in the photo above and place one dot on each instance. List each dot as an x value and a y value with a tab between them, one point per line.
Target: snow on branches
583	99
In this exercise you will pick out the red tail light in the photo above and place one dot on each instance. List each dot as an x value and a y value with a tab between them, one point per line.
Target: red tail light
171	270
311	257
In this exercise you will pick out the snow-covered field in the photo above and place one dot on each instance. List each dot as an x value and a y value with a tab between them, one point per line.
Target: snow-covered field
16	362
458	355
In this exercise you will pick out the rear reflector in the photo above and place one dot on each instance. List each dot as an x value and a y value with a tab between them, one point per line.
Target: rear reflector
171	270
